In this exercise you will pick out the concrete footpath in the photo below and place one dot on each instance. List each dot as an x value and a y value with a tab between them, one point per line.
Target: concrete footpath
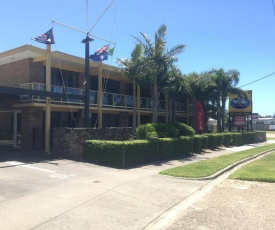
64	194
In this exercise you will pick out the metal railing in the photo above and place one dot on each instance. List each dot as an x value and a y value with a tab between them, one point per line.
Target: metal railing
111	100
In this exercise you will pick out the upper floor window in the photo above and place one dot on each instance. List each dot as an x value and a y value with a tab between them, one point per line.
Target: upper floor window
63	77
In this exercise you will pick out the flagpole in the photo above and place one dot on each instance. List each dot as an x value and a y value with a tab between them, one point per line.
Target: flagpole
48	99
87	120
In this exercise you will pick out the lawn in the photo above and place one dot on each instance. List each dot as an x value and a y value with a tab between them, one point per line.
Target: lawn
210	166
259	170
270	135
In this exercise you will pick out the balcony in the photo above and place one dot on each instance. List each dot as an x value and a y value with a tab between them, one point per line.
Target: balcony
110	100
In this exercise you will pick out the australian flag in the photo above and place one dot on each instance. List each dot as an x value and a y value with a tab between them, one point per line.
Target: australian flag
101	54
46	38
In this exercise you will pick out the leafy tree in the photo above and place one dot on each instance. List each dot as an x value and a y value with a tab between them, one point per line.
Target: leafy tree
159	61
134	69
173	91
225	83
200	87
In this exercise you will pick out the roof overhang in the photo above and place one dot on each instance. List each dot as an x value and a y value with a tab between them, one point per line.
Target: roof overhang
20	53
58	60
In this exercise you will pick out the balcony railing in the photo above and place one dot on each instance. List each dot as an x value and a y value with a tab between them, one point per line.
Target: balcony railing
111	100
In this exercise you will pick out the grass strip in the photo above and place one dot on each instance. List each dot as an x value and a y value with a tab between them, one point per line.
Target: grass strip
262	170
210	166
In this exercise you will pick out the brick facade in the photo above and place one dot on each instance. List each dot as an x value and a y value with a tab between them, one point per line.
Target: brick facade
32	135
24	71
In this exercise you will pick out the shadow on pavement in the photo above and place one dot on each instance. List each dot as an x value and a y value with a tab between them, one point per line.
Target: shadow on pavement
8	153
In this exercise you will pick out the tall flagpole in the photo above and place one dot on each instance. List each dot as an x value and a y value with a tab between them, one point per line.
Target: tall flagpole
87	120
48	99
87	40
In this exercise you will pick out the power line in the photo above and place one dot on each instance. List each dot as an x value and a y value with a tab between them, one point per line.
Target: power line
268	74
258	79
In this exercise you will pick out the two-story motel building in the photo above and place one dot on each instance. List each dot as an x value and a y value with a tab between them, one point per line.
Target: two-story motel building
22	117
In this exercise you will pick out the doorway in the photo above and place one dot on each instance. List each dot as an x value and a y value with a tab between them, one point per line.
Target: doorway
10	128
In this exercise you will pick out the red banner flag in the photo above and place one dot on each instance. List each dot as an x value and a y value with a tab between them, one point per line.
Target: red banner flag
199	117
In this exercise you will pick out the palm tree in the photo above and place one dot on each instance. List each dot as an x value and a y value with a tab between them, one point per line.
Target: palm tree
133	69
225	83
159	61
173	90
192	89
199	88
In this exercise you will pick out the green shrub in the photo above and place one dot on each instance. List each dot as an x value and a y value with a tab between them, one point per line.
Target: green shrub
137	152
147	131
164	148
121	154
103	152
197	144
212	141
182	146
172	130
227	139
161	130
204	141
238	139
220	139
250	137
185	130
166	130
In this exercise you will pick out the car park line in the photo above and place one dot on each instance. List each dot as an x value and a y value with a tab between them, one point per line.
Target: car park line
17	164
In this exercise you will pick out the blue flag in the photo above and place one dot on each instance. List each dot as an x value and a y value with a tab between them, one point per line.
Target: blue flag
46	38
101	54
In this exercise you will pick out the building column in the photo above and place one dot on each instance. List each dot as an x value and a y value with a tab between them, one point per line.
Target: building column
99	96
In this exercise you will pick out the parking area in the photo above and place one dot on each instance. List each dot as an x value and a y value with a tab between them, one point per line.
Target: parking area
42	193
39	192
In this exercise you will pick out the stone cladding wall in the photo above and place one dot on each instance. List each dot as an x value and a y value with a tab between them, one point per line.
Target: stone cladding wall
68	142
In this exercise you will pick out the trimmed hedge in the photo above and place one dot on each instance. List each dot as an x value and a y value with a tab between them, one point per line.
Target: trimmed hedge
197	145
212	141
122	154
220	139
238	139
227	139
204	141
183	146
249	137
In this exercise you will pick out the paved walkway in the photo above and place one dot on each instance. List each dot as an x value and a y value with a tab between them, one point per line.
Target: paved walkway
63	194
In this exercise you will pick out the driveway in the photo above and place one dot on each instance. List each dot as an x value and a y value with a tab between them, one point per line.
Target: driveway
64	194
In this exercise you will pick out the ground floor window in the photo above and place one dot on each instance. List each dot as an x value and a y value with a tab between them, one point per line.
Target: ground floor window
64	119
